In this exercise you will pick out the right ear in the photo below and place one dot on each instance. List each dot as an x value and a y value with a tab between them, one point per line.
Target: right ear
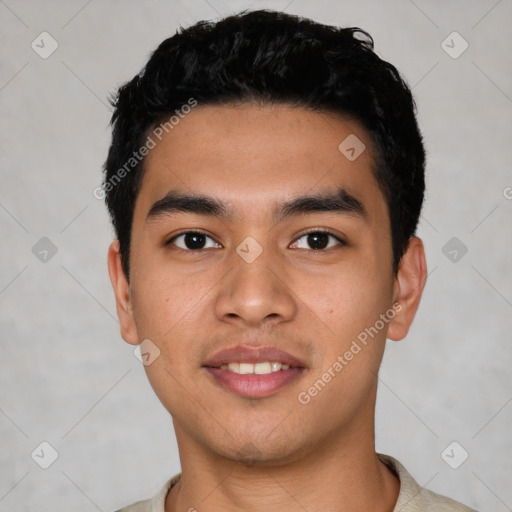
122	293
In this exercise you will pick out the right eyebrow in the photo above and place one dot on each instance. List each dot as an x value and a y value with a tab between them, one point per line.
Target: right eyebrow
178	202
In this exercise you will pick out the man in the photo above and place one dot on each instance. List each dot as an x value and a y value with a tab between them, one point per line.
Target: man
265	180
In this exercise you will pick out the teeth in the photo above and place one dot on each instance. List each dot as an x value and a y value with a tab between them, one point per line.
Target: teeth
246	368
262	368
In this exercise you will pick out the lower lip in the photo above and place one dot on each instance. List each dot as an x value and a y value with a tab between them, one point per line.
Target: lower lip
252	385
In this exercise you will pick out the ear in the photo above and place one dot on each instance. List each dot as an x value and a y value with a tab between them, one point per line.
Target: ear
409	283
123	296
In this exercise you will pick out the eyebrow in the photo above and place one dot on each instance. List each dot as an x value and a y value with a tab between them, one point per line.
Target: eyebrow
340	202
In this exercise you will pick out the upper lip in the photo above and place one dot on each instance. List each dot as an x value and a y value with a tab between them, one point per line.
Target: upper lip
252	355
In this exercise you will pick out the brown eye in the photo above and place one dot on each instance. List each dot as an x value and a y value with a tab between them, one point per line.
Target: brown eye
317	240
193	241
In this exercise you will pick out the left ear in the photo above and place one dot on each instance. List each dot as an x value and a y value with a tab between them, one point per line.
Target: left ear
409	283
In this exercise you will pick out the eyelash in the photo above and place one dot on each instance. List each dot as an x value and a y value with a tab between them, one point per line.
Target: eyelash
309	232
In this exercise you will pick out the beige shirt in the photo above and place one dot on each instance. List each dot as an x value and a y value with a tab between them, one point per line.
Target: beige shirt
412	497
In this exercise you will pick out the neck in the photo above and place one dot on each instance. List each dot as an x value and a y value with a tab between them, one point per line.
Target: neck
342	473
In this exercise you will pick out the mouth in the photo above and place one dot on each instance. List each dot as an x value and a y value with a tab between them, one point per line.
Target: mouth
254	372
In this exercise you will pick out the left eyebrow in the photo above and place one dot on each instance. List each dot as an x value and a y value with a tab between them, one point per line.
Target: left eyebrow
340	201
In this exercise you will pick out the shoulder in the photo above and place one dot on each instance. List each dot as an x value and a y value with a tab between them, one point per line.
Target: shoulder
414	498
140	506
154	504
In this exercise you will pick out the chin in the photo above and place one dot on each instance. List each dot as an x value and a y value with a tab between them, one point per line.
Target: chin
259	454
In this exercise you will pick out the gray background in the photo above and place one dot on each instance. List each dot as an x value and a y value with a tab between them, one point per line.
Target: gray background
66	375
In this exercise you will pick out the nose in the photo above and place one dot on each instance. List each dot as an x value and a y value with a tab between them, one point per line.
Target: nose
255	293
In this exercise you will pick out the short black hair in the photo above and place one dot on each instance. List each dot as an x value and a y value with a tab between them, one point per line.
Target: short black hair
271	57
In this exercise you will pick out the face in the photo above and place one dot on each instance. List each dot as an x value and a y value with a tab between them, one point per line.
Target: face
253	231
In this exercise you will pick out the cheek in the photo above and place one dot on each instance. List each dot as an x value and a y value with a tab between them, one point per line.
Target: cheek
174	309
346	308
345	300
168	308
169	311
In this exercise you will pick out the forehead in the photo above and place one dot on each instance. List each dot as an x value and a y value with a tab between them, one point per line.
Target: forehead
248	154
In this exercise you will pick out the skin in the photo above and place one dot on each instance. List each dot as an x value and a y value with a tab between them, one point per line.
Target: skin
272	453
